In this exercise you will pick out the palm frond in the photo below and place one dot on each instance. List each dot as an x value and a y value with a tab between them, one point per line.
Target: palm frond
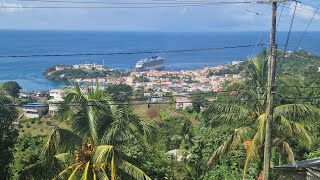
285	147
229	144
74	175
297	111
261	121
149	131
67	172
113	168
92	116
86	173
283	123
224	108
102	154
102	174
253	151
41	170
256	143
227	118
258	71
226	112
132	170
293	129
127	126
61	141
65	158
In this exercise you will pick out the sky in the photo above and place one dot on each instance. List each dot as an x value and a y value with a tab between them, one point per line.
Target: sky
17	14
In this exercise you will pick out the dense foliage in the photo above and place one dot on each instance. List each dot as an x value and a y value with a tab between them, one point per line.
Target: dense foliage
11	88
141	79
222	140
69	74
8	136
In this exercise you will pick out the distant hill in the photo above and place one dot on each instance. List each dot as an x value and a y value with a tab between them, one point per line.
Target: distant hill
68	73
297	63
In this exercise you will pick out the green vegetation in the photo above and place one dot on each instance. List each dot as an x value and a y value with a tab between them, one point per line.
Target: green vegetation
222	140
8	137
249	112
141	79
92	145
28	151
120	92
68	73
296	63
11	88
233	69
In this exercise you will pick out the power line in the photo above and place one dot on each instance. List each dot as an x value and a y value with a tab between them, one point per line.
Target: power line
131	53
288	36
71	104
304	87
280	15
139	3
300	9
260	36
308	4
164	5
161	4
312	18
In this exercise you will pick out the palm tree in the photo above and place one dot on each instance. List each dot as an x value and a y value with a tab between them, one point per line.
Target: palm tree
90	148
248	110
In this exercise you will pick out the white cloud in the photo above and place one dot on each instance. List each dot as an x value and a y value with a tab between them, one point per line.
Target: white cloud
303	11
10	7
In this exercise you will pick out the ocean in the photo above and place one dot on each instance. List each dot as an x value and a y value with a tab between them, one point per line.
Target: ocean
28	72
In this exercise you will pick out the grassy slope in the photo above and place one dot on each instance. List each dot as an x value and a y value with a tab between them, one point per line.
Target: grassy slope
146	113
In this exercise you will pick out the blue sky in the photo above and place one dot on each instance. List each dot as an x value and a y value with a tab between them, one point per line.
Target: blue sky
238	17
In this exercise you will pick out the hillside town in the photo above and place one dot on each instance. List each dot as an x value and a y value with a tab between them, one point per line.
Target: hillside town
153	83
168	81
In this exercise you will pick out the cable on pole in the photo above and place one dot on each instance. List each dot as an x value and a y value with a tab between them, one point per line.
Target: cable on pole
131	53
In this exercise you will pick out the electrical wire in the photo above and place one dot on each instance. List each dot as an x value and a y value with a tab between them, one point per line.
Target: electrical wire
312	18
260	36
138	3
280	15
131	53
301	9
288	36
133	7
71	104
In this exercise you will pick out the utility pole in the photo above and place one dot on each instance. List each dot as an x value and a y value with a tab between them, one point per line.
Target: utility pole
270	91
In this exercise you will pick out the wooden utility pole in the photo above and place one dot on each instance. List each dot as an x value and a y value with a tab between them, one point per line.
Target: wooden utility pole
270	91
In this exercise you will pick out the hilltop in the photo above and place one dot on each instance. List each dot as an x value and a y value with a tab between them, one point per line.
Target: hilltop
298	63
67	72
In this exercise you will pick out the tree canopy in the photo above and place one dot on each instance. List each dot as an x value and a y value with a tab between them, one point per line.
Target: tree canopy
11	88
8	137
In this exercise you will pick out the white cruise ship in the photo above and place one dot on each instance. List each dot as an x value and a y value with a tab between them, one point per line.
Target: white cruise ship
156	63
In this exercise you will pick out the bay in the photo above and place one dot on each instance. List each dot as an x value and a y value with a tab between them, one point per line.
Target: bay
29	71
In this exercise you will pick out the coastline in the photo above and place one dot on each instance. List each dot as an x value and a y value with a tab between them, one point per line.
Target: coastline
28	71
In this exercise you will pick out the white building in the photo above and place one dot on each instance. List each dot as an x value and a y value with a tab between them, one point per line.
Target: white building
183	103
236	62
93	66
56	96
34	110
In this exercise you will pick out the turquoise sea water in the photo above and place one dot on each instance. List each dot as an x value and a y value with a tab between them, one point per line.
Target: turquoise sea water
28	71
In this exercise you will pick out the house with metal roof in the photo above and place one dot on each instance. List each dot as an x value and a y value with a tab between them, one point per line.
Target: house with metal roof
34	110
301	170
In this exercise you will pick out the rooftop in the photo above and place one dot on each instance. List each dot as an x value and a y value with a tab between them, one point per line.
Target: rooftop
301	164
34	105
